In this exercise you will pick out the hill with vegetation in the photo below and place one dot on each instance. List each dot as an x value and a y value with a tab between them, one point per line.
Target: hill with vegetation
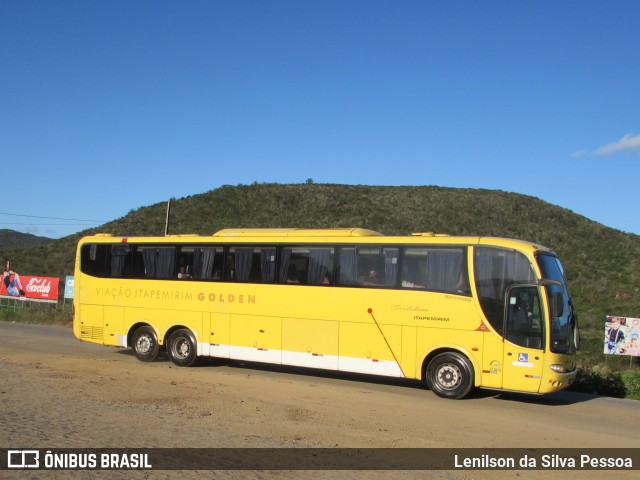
10	240
602	264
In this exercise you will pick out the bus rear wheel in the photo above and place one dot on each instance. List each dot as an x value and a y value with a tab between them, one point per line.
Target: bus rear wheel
145	344
450	375
181	348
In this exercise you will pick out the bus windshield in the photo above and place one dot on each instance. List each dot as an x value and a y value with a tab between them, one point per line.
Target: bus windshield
563	327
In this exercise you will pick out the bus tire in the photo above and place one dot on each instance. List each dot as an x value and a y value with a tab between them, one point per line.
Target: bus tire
144	343
450	375
181	348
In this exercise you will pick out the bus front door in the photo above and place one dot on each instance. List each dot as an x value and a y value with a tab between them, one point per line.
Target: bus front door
523	340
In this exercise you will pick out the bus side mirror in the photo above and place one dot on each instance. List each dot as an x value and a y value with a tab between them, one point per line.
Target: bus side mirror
558	304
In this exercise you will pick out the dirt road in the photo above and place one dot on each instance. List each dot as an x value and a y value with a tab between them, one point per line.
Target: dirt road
56	392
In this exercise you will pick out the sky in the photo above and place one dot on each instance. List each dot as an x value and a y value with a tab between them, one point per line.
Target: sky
107	106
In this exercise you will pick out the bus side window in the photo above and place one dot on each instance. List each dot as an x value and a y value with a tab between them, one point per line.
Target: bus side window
414	267
204	263
435	268
294	264
95	260
153	261
320	266
375	266
446	270
251	264
496	269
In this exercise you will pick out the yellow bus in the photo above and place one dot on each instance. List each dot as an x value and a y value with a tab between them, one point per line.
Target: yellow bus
454	312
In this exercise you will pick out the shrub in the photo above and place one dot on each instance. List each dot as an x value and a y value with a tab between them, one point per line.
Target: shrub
631	380
599	382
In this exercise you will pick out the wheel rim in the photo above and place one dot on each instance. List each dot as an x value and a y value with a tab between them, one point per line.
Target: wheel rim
182	348
144	344
449	376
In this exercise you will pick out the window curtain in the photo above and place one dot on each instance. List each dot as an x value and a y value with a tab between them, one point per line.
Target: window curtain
318	265
498	269
443	270
268	264
347	266
149	259
203	260
483	273
390	266
285	260
518	269
208	259
197	264
165	263
117	265
243	259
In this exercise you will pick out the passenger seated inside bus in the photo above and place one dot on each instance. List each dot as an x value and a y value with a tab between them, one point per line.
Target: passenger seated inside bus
183	273
292	274
411	278
463	283
372	279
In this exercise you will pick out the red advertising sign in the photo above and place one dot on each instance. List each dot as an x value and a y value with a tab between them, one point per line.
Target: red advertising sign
30	287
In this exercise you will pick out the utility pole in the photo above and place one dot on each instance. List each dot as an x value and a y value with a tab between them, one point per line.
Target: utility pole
166	223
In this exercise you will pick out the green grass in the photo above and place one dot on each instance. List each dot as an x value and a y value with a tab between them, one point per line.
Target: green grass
38	313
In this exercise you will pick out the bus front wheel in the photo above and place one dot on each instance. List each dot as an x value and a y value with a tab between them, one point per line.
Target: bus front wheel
181	348
145	344
450	375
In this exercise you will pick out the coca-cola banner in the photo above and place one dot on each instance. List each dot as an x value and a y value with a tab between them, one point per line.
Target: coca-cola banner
34	288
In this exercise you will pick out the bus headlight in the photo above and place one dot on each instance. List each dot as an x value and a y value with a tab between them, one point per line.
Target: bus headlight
558	368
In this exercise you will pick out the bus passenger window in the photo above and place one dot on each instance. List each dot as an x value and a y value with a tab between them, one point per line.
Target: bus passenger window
320	266
435	268
369	266
414	266
496	269
200	262
292	274
95	260
251	264
152	261
306	265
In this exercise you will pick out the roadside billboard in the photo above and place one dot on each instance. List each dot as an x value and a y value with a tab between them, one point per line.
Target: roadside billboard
32	288
68	287
621	336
